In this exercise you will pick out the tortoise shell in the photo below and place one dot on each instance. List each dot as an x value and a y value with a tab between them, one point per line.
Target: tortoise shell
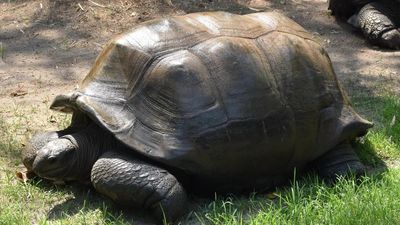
219	95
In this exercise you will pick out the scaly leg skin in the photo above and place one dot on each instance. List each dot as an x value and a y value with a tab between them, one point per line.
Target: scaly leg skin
378	25
340	161
134	183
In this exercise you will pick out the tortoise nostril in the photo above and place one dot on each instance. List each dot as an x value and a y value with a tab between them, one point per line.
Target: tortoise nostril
52	159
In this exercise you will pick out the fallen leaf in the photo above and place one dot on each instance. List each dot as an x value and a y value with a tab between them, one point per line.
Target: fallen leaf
24	175
18	93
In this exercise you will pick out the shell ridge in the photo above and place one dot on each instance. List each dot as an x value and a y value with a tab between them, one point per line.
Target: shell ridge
212	78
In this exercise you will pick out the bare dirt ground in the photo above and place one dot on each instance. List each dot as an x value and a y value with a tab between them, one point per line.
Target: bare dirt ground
48	46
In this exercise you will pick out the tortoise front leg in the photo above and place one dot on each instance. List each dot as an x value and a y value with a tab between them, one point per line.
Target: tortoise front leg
132	182
378	24
339	161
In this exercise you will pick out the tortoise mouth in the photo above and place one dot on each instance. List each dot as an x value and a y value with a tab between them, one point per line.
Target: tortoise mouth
51	174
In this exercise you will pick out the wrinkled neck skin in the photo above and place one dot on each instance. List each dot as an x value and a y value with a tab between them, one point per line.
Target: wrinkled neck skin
90	143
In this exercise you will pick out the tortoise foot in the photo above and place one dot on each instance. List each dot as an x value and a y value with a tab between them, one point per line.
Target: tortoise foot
391	39
378	23
133	183
340	161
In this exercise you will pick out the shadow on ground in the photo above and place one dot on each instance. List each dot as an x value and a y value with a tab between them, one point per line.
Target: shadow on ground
52	43
86	200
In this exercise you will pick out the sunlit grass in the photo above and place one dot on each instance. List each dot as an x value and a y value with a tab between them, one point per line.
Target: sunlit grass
43	203
384	138
310	201
2	51
38	201
307	201
21	125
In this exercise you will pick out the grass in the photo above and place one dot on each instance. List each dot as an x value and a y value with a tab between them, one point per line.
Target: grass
43	203
310	201
37	201
47	204
2	51
307	201
384	139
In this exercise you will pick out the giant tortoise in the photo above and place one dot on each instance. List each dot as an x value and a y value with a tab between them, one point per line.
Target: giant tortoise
205	102
379	20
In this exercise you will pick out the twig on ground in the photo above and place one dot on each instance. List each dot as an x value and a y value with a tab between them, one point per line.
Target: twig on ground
97	4
169	2
80	6
98	44
16	7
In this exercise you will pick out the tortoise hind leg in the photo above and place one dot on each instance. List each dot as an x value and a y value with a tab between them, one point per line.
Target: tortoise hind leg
378	24
340	161
134	183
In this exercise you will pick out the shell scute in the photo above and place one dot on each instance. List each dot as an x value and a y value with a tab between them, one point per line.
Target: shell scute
219	95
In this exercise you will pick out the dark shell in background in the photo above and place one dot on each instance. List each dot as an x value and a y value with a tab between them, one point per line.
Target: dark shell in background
346	8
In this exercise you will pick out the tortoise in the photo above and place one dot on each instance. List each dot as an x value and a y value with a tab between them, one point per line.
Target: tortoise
379	20
205	102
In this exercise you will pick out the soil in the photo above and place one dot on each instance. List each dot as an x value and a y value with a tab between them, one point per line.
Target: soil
48	46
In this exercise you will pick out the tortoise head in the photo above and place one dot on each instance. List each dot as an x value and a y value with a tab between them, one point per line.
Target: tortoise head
56	160
71	157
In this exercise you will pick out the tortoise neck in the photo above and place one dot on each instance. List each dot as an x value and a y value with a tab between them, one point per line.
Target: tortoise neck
91	143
